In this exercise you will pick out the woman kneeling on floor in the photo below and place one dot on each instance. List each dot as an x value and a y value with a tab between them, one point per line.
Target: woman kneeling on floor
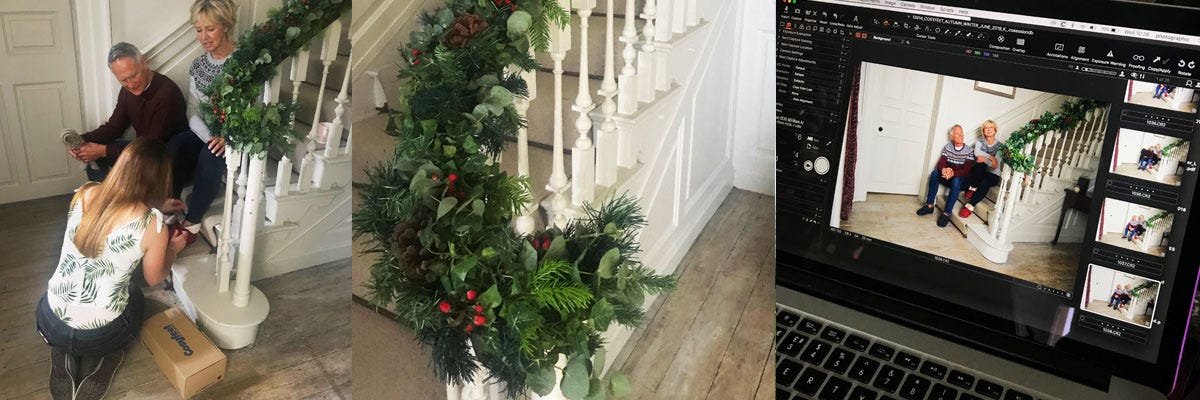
90	310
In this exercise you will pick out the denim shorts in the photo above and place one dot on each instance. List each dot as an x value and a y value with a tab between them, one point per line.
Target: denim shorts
92	342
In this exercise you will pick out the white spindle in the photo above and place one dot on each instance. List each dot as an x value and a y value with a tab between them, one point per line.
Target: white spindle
232	161
646	75
606	140
663	14
693	15
1006	223
523	224
583	155
241	197
283	175
249	229
298	74
560	43
678	16
627	100
333	140
994	215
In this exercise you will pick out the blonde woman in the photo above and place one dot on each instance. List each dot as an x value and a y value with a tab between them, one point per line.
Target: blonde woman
213	21
986	172
90	309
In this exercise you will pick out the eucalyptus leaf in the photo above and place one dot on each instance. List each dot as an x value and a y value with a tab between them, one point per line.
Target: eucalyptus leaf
450	150
445	206
519	23
608	263
619	383
445	16
596	390
575	383
477	208
602	314
541	380
528	256
292	32
557	250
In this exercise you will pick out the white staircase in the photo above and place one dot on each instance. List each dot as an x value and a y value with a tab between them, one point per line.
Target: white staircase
634	101
1026	207
285	212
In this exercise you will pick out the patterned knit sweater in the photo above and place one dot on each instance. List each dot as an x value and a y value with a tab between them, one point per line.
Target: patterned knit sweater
201	74
959	159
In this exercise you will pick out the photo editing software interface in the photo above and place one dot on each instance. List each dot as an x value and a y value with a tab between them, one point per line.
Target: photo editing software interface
1031	169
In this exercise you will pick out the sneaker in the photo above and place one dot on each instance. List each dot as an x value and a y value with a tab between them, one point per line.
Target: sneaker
925	210
62	385
964	212
95	386
943	220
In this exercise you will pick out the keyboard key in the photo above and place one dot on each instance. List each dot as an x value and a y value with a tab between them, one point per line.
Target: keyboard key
787	319
933	369
835	389
1015	395
883	351
863	370
862	393
839	361
832	334
907	360
779	332
914	387
782	394
858	343
889	378
809	326
792	344
989	389
942	392
786	372
816	352
886	397
810	380
968	396
961	379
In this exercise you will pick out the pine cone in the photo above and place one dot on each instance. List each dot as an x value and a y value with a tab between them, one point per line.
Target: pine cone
463	29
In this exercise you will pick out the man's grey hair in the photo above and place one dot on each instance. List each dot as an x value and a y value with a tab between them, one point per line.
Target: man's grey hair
122	50
951	131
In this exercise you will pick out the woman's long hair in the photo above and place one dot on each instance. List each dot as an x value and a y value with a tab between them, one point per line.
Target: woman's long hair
142	175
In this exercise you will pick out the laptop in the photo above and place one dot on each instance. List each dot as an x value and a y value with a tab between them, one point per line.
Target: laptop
984	200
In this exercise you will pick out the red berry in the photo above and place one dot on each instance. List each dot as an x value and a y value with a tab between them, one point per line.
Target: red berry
536	244
417	61
472	294
444	306
480	320
478	308
468	328
546	245
514	7
434	177
415	52
452	177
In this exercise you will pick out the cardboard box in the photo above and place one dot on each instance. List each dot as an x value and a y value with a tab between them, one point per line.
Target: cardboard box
190	361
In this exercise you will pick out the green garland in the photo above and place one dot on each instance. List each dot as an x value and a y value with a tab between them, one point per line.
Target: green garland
1073	113
438	216
1150	222
235	111
1166	150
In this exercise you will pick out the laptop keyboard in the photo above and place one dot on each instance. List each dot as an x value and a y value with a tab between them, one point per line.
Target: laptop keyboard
817	359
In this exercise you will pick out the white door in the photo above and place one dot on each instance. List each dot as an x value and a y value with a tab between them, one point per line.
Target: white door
39	96
895	118
1102	284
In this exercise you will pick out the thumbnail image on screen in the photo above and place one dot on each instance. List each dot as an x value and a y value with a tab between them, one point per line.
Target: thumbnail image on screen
920	171
1151	157
1136	227
1157	95
1119	295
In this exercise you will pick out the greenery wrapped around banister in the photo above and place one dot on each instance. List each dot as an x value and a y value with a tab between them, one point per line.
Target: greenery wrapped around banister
235	111
1166	151
1150	222
438	214
1073	113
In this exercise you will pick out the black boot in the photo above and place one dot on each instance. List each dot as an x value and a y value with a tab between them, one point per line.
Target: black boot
95	385
62	385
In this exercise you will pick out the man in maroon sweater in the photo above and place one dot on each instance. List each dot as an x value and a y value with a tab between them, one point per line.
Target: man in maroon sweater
953	168
149	102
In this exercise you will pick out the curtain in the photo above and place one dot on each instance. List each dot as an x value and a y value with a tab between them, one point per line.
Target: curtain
851	151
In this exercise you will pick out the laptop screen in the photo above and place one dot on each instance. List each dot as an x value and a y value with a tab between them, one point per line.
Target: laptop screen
1027	175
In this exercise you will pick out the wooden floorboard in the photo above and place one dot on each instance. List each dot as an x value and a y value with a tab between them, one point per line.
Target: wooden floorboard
712	335
302	350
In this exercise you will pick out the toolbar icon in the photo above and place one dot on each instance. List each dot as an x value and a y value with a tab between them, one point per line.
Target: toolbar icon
1182	63
1020	41
1191	64
1058	47
1082	49
1000	38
